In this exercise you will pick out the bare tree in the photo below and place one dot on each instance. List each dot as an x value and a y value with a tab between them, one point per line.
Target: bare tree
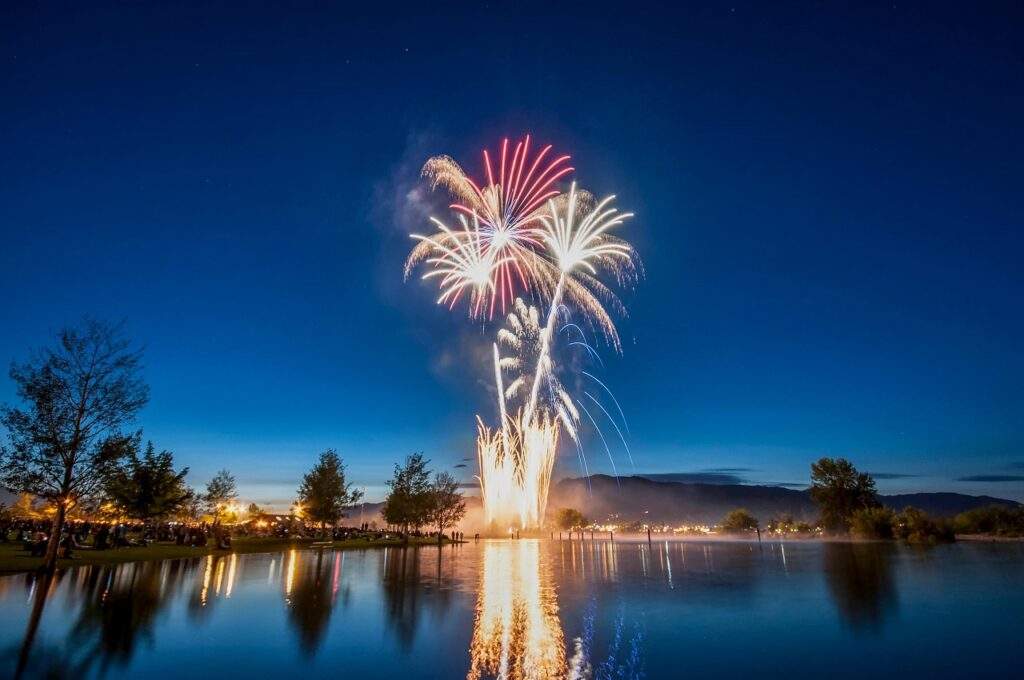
66	435
446	504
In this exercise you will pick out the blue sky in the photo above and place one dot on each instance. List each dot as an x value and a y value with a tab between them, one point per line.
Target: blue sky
827	206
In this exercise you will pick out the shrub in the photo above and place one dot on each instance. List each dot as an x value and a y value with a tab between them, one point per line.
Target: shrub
996	520
873	522
914	526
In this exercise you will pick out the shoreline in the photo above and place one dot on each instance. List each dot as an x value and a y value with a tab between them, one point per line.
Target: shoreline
15	560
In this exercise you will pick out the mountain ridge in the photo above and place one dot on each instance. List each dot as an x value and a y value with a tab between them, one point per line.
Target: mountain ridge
638	498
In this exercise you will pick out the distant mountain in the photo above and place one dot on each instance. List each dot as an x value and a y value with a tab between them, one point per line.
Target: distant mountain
638	498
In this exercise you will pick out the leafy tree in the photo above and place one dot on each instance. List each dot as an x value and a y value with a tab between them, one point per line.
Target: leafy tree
781	524
873	522
66	438
324	493
570	519
256	512
738	521
408	503
192	509
26	508
148	487
221	491
993	519
446	504
914	526
840	490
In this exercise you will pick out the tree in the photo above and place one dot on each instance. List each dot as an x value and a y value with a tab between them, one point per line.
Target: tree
781	524
570	519
446	504
873	522
738	521
192	509
840	490
148	487
66	438
26	508
220	492
257	513
914	526
324	493
408	503
993	519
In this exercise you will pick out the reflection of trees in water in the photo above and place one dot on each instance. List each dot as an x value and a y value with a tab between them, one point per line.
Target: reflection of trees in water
119	608
414	585
217	579
861	581
311	590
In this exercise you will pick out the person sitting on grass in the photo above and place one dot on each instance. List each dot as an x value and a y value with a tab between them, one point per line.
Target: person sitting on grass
70	544
38	546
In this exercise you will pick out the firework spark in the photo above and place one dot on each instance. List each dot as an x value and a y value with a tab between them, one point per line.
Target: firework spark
527	237
462	261
509	208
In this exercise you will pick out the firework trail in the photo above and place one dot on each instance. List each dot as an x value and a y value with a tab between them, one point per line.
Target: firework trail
508	208
520	235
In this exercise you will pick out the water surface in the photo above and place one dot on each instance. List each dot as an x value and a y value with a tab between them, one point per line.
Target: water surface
529	609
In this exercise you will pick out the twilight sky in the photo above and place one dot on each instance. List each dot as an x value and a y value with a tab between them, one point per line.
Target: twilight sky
827	198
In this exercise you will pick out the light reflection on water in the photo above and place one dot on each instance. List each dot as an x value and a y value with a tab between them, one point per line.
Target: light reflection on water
517	633
525	609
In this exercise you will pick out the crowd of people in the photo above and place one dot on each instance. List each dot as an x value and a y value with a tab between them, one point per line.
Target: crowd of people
34	534
76	535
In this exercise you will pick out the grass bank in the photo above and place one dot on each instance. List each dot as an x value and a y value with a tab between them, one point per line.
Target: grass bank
15	559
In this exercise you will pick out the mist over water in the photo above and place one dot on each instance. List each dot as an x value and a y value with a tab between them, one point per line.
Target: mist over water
528	608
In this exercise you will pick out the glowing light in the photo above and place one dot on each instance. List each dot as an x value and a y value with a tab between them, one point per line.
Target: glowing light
231	574
516	633
289	580
525	236
207	574
508	207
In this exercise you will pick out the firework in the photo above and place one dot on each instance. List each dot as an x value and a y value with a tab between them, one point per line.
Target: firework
509	208
519	233
462	261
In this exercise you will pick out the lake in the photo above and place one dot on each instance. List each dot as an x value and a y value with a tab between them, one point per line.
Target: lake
530	608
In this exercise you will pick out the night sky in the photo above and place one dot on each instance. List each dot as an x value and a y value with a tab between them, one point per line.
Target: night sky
827	198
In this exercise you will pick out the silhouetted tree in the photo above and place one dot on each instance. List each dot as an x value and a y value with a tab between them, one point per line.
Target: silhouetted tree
446	504
840	490
914	525
324	493
873	522
570	519
738	521
66	437
147	487
220	492
408	503
992	519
